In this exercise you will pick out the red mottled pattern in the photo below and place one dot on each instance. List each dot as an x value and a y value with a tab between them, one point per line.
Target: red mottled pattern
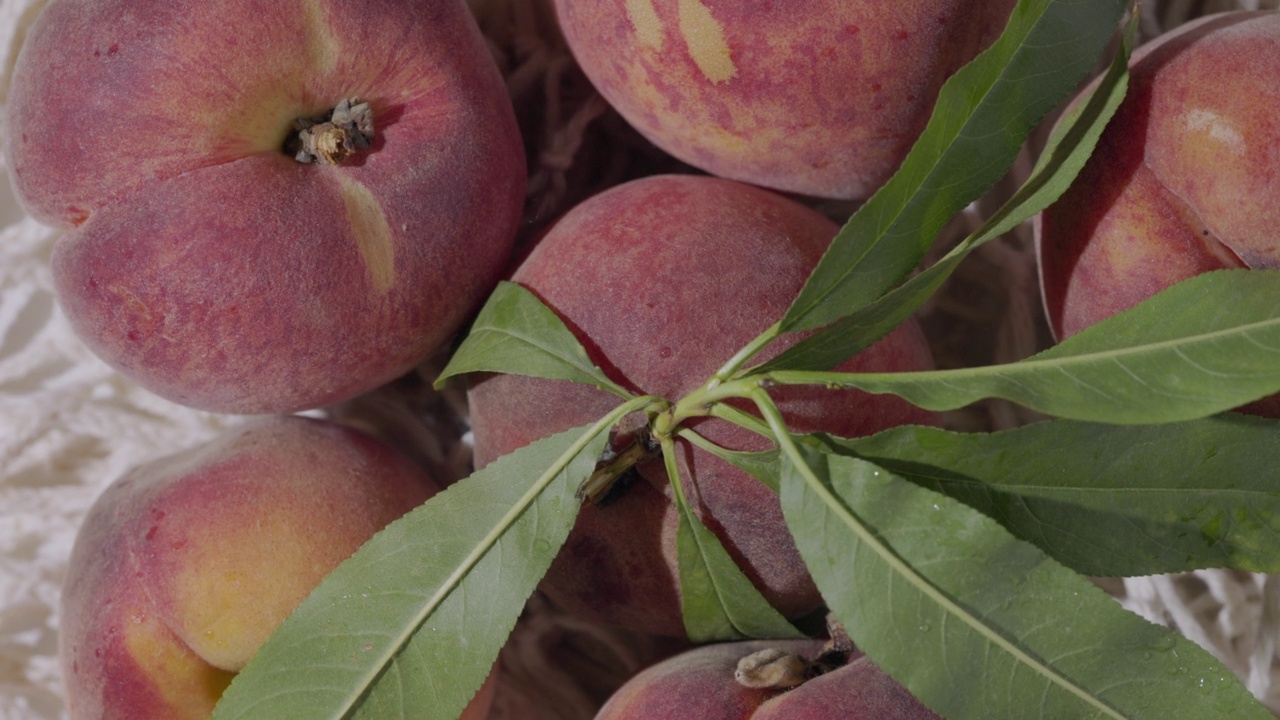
820	97
206	264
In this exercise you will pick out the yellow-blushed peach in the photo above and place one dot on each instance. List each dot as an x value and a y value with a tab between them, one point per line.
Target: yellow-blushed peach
1183	181
184	566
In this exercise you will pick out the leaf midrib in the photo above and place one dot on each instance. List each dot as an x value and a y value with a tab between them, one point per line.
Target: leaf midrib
927	588
401	639
1064	361
825	494
898	212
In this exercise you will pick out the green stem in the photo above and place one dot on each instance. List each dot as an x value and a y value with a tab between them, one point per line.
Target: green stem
697	440
666	418
827	378
704	400
744	420
746	353
668	447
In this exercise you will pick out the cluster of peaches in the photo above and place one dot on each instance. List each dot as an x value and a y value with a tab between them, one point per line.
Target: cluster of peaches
272	207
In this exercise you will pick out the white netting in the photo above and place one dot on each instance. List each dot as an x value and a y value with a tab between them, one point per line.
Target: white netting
69	425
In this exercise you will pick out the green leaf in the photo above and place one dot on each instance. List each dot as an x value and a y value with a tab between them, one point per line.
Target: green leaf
717	600
761	465
411	625
1068	148
983	114
980	625
516	334
1207	344
1105	499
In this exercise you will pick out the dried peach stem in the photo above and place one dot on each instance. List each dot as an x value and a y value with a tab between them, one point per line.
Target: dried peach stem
333	137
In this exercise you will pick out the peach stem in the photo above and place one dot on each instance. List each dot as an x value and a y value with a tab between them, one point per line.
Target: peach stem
333	137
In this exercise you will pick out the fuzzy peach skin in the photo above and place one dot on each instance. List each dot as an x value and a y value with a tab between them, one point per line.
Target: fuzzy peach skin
819	97
1184	179
186	565
663	279
701	684
208	265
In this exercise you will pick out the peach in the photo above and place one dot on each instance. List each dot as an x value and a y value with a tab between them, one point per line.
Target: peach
819	97
1183	181
703	683
203	259
663	279
186	565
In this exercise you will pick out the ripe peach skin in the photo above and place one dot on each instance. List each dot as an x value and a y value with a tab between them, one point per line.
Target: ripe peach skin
700	684
185	566
1184	179
663	279
212	268
818	97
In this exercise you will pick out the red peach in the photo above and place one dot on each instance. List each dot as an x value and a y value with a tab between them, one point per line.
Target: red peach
820	97
210	266
663	279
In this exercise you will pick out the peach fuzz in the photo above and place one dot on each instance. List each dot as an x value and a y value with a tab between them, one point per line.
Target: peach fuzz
185	566
663	279
207	264
1183	180
701	684
818	97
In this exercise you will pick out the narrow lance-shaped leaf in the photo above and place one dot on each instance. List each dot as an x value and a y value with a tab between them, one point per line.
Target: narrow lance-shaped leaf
1069	145
717	600
515	333
977	624
983	114
980	625
1207	344
1193	495
1104	499
411	624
